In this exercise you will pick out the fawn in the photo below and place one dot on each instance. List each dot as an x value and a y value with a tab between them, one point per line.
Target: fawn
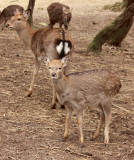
75	90
53	43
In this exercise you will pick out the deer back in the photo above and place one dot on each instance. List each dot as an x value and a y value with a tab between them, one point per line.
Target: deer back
46	40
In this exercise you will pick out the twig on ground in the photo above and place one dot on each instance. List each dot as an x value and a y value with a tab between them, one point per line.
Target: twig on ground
130	112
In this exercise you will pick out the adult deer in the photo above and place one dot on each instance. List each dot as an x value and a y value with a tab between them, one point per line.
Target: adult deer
53	43
59	13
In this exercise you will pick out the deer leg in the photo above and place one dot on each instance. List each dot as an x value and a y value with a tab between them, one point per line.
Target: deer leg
53	105
69	111
66	27
79	120
65	72
101	122
107	112
35	72
60	24
51	24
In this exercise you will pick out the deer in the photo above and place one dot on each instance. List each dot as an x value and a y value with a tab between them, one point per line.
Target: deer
59	13
75	90
8	12
53	43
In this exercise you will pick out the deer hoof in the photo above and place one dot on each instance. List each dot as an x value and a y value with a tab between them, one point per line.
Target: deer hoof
53	106
91	139
81	145
106	145
63	139
29	93
62	107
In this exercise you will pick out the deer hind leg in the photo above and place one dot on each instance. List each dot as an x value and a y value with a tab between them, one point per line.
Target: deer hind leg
79	120
35	72
51	24
69	111
107	112
60	24
66	27
101	122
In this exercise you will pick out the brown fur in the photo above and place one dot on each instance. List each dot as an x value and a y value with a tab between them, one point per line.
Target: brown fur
8	12
42	42
59	13
92	88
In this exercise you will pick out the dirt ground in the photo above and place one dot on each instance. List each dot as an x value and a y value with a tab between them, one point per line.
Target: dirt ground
29	129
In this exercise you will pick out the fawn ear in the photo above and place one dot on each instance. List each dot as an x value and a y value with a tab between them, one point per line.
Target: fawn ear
46	61
65	60
27	14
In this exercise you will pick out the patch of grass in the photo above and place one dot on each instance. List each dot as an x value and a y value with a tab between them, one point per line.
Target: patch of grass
115	7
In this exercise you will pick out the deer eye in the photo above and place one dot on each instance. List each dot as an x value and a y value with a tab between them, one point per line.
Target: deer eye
18	19
49	67
59	68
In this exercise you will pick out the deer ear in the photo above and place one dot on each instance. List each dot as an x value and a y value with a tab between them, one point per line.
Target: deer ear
64	9
46	61
65	60
27	14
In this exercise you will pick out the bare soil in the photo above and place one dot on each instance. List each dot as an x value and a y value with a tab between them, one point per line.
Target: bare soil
29	129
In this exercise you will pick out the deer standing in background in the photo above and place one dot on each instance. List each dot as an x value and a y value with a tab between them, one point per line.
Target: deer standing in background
59	13
8	12
53	43
75	90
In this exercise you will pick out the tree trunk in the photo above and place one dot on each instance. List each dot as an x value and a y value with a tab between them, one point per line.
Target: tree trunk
115	32
31	6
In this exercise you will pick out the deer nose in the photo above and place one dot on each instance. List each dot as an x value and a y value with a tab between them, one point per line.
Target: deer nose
7	25
53	74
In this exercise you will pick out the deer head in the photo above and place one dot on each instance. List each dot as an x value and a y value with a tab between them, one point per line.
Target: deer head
19	20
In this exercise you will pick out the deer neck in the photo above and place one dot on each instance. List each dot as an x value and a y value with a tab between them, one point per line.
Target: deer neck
60	85
26	34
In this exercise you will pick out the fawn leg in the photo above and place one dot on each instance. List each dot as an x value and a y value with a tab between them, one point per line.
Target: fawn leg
69	111
107	112
53	105
79	119
101	122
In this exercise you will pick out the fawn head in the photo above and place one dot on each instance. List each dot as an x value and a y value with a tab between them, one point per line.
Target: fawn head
56	67
66	16
19	20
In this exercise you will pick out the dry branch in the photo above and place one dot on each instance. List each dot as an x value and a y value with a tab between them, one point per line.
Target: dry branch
123	109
